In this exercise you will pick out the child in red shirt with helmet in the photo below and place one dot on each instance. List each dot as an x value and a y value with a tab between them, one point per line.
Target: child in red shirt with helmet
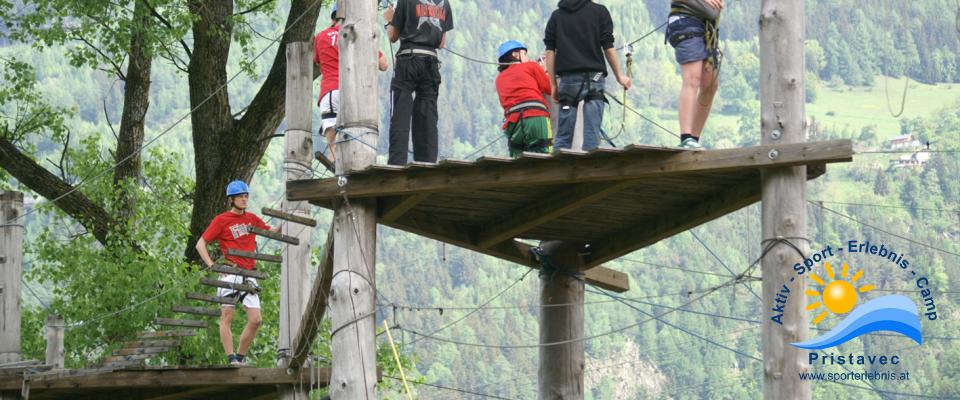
523	87
229	229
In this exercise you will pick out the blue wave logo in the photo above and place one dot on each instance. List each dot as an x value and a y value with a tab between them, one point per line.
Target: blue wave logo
894	313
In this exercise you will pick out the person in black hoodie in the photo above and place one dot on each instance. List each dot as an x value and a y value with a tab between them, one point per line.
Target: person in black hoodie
578	36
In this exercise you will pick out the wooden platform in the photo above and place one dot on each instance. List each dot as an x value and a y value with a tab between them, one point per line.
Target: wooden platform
615	201
162	383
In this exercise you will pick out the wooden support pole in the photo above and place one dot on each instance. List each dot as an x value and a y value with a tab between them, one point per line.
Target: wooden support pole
11	271
784	211
352	294
55	351
560	375
297	156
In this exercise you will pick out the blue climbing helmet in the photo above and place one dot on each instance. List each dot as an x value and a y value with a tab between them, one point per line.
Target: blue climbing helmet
236	188
333	14
508	47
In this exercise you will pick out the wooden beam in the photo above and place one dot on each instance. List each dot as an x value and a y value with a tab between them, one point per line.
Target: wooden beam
181	322
574	170
646	232
188	377
228	285
151	343
255	256
55	330
511	250
189	393
141	350
209	312
11	271
289	217
273	235
316	306
212	298
165	334
125	358
551	207
250	273
393	209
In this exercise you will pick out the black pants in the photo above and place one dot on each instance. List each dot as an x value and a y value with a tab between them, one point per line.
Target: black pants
420	75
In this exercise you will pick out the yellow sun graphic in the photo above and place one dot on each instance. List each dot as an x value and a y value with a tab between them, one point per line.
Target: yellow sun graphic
838	296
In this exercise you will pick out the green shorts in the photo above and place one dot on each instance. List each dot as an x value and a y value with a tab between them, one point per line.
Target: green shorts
531	134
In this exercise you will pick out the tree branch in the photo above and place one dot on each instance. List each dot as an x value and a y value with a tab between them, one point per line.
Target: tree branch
78	206
169	26
116	68
254	8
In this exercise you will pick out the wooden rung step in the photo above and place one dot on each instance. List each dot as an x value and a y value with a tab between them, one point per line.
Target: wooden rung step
123	364
289	217
166	334
212	298
151	343
181	322
129	358
209	312
229	285
273	235
141	350
250	273
255	256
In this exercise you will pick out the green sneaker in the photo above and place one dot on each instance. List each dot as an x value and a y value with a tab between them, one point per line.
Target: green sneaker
690	144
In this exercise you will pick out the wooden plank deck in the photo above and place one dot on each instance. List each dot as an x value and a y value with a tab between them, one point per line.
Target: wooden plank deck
614	201
216	382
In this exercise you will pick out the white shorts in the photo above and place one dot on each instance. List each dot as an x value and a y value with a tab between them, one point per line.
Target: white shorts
251	300
329	108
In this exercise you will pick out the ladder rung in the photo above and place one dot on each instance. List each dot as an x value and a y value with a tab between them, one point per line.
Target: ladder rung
255	256
141	350
210	312
128	358
289	217
226	269
181	322
123	364
166	334
273	235
151	343
228	285
211	298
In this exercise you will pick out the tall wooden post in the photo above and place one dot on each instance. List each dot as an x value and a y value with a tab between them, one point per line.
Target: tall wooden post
560	375
11	270
55	351
295	285
352	294
784	211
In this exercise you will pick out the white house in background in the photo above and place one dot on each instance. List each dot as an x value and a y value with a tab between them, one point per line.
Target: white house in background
904	142
912	160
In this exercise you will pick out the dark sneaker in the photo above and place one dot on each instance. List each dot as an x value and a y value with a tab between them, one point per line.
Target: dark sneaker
234	361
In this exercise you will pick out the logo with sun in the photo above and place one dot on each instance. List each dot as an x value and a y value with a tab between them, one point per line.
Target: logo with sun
839	296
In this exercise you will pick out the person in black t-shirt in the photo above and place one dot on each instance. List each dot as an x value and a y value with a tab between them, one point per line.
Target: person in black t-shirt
421	27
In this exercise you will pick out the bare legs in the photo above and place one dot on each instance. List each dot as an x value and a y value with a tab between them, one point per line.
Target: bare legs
696	96
249	331
331	135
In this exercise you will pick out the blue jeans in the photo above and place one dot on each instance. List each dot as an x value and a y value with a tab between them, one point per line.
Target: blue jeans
573	88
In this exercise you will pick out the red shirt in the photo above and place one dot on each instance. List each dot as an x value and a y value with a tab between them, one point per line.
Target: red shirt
521	83
230	230
326	54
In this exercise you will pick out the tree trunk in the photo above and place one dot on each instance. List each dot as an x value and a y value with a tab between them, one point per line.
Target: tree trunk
226	148
136	100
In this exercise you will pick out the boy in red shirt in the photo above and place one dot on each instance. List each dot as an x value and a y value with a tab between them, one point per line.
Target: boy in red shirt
523	87
229	229
326	54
